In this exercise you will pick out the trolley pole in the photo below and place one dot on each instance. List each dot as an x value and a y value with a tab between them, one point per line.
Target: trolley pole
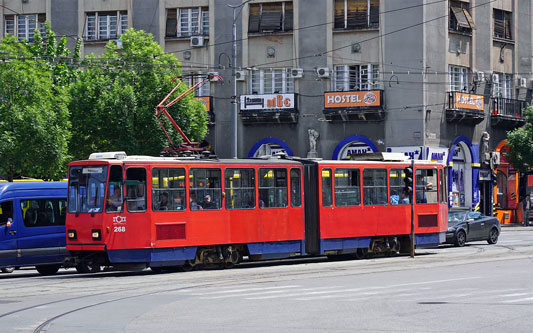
413	198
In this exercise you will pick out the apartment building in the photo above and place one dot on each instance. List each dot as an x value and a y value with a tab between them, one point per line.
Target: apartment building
436	80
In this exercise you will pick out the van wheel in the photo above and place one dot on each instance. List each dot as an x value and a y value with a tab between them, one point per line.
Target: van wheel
8	270
47	269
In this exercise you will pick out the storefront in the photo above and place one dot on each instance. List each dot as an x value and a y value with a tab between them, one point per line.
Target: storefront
463	174
353	145
506	190
269	147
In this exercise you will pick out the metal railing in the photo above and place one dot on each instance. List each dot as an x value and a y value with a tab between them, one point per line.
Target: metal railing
507	107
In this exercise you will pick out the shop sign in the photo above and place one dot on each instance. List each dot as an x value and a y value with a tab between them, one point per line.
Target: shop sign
350	99
206	101
422	153
265	102
469	101
355	148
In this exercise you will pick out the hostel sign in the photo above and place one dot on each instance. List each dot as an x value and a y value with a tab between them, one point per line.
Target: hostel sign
350	99
469	101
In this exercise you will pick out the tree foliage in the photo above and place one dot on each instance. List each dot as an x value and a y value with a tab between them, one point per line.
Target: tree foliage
34	119
113	100
520	142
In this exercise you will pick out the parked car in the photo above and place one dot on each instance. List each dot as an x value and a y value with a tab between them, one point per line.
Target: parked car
468	226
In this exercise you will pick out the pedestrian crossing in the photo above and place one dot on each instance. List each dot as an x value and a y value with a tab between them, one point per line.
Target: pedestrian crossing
408	292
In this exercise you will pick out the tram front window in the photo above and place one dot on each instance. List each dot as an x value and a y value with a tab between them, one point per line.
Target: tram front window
87	188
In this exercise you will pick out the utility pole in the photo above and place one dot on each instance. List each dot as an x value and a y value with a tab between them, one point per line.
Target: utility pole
234	65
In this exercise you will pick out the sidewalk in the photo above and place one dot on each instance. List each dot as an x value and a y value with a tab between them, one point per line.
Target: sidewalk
517	227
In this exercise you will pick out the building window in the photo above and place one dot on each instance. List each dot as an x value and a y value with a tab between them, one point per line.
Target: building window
356	14
356	77
460	19
204	89
504	85
186	22
270	17
374	187
272	81
23	26
458	78
502	24
105	25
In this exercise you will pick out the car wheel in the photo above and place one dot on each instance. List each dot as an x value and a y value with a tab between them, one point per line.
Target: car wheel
8	270
460	238
47	269
493	236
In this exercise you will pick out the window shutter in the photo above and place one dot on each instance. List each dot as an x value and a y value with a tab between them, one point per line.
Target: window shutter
499	24
460	17
508	34
254	18
374	14
270	21
172	23
469	18
288	17
339	14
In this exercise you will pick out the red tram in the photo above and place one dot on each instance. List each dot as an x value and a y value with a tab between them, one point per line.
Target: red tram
173	211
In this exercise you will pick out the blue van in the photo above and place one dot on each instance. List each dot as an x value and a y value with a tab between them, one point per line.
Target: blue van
32	225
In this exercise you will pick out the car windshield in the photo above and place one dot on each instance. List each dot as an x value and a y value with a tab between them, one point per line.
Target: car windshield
456	217
86	187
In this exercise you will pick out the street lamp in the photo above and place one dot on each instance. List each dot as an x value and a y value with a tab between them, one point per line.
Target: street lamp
234	65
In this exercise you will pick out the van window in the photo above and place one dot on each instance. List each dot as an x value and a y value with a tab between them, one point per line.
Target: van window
168	189
136	189
6	211
273	187
239	185
43	212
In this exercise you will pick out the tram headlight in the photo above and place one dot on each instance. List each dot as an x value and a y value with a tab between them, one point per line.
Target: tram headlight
97	234
71	233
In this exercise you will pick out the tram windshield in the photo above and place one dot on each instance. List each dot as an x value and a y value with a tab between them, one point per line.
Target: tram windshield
87	185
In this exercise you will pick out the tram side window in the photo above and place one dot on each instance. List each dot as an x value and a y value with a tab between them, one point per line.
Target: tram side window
374	187
296	188
273	188
6	212
136	189
426	188
239	185
43	212
347	187
115	193
396	183
168	189
205	188
443	191
326	188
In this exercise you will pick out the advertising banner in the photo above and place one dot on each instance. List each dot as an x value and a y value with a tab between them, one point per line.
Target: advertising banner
269	101
469	101
350	99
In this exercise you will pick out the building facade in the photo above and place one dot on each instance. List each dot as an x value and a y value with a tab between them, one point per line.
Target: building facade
438	80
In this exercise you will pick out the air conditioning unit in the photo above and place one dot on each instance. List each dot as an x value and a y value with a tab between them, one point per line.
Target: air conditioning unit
297	73
522	82
197	41
495	78
240	75
480	76
322	72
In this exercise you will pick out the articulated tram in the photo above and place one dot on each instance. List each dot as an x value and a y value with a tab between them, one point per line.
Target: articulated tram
160	212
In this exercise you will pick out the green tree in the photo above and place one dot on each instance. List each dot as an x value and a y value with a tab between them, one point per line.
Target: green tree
114	99
34	119
520	142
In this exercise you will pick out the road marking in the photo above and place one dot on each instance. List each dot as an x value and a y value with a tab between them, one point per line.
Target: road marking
242	290
514	295
527	299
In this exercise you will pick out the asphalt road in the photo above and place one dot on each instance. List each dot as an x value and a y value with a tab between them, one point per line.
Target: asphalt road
479	287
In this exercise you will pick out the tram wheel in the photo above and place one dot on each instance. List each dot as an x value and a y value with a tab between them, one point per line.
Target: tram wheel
361	253
47	269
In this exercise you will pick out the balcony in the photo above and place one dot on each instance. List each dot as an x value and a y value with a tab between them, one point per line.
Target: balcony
343	106
507	113
465	108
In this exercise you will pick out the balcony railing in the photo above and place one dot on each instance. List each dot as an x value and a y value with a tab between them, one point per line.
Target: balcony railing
507	107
